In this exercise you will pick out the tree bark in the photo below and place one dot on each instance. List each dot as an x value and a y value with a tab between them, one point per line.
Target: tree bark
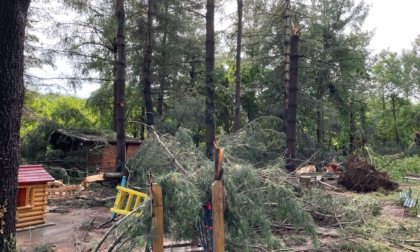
292	105
13	15
163	73
120	86
287	34
114	115
394	117
147	67
142	120
352	129
236	118
320	110
210	95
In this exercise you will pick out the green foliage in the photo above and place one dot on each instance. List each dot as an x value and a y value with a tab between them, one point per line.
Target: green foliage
182	204
138	226
360	246
258	200
258	143
397	165
186	113
66	111
375	231
330	210
35	145
45	113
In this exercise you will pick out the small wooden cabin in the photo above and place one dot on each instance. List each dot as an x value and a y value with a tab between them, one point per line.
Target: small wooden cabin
98	148
32	195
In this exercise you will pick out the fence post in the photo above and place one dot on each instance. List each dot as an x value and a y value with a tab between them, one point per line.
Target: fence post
157	215
218	221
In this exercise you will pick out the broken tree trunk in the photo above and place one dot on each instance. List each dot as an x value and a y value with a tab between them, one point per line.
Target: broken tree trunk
218	202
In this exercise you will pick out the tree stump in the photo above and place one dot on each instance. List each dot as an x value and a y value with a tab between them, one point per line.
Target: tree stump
305	181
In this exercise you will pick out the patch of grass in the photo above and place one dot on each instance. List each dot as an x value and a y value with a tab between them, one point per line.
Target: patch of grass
46	247
376	230
361	246
397	167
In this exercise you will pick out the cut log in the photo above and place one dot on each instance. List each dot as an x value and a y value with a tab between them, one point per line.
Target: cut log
306	169
100	177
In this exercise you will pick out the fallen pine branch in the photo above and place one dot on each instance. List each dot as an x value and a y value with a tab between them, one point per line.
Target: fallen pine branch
333	187
169	153
88	229
58	211
411	241
117	240
393	241
115	226
404	241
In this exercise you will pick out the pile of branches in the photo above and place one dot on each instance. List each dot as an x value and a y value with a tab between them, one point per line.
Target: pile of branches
361	176
262	199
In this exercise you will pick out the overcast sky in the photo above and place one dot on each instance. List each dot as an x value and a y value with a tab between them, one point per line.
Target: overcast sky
397	23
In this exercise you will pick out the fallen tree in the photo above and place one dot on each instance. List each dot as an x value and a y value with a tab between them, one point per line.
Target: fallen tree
262	198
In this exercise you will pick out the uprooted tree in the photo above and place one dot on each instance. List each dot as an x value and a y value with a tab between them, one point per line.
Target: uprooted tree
361	176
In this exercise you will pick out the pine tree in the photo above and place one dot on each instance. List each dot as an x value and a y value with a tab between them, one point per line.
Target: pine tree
210	47
119	83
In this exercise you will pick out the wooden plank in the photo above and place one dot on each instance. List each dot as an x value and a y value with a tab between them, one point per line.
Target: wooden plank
40	203
32	218
40	190
29	223
40	194
35	208
40	199
31	213
218	218
157	213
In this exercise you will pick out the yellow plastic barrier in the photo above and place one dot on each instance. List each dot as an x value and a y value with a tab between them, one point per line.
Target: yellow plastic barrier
124	201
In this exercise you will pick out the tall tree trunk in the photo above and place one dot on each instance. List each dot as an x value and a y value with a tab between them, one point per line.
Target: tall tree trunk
394	117
193	73
143	121
163	66
320	110
210	96
352	132
147	67
292	104
236	118
13	16
114	116
287	34
120	86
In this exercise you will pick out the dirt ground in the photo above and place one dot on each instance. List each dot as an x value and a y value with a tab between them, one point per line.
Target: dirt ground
75	229
75	225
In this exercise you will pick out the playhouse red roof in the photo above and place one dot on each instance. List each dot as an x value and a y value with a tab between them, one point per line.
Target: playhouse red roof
33	174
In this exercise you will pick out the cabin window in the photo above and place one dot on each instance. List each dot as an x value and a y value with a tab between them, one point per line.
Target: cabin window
25	197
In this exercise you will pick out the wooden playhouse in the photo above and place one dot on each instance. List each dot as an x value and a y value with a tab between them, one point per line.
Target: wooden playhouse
32	195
